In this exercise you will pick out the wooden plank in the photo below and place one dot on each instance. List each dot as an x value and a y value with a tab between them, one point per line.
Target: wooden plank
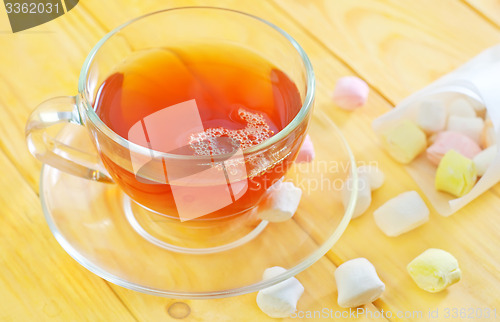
116	246
39	64
397	46
233	307
12	133
468	234
39	281
356	128
488	8
391	255
319	300
204	309
320	293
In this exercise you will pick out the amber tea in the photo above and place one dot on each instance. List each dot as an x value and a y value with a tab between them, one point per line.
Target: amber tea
237	95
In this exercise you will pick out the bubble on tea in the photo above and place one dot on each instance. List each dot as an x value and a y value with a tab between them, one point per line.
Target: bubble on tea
212	141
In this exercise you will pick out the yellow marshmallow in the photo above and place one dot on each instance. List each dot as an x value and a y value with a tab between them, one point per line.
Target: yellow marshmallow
405	141
434	270
455	174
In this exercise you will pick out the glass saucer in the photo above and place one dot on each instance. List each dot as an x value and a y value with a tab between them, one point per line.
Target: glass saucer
110	235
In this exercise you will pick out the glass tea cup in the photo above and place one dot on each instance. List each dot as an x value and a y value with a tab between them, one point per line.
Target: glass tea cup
219	193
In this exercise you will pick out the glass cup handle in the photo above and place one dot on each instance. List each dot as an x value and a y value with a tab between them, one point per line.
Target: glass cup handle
55	153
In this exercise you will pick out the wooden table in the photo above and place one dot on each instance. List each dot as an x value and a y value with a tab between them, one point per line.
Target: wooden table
397	46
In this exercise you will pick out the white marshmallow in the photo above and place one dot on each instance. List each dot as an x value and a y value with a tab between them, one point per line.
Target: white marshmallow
272	272
484	159
280	300
357	283
401	214
461	107
431	116
364	195
470	126
283	202
375	176
350	92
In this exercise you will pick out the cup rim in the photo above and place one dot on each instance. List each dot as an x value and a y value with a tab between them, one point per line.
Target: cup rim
136	148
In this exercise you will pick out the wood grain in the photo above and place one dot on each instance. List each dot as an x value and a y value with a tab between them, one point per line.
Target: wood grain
39	281
140	307
451	233
396	46
490	9
42	65
115	245
323	290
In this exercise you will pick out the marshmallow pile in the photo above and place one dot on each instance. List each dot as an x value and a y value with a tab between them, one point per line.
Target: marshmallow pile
457	137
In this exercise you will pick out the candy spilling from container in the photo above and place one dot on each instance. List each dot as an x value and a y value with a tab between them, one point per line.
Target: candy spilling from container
459	112
456	138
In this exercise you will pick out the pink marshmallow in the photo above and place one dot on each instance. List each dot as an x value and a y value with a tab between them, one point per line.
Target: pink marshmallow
306	152
449	140
350	92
